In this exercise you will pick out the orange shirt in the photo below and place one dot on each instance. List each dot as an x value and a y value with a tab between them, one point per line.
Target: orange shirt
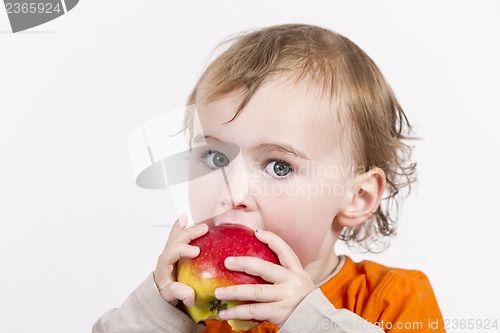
395	299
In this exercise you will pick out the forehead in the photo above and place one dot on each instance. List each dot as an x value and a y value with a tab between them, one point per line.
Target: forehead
287	97
296	112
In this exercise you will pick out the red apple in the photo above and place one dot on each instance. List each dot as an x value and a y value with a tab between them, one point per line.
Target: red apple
207	272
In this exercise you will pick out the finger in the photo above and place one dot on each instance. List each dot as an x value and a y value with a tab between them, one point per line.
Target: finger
177	228
179	225
184	236
285	253
191	233
255	311
255	266
250	292
180	251
178	291
166	261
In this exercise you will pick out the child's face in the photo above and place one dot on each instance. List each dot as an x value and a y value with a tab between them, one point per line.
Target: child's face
289	177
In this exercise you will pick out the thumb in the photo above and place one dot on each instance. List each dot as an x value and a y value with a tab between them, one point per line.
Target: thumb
178	291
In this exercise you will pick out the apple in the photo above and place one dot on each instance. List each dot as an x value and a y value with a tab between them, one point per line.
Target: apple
207	272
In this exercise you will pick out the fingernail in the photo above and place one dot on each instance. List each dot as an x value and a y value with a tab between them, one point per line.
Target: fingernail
229	262
222	314
183	220
218	293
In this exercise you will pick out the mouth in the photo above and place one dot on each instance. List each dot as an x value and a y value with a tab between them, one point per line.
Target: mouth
230	218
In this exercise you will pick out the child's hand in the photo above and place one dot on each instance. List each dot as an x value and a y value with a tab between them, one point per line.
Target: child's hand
165	275
275	302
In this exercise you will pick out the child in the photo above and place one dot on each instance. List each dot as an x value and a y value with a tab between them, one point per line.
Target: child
319	134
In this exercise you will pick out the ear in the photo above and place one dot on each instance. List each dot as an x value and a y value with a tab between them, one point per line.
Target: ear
368	189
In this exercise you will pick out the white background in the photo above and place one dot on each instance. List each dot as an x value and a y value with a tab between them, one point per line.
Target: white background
75	234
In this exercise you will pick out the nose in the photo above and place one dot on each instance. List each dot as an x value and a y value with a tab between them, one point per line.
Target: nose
236	180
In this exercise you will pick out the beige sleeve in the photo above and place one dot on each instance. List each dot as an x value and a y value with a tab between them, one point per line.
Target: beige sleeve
146	311
317	314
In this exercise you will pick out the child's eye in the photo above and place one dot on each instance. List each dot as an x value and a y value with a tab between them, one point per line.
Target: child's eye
215	159
279	169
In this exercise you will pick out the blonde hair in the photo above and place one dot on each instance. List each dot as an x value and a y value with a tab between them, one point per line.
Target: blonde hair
373	121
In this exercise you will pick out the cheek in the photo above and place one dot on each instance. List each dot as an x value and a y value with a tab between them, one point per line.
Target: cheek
204	194
303	224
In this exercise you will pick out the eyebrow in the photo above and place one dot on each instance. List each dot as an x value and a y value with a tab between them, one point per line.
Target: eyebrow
204	138
282	148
